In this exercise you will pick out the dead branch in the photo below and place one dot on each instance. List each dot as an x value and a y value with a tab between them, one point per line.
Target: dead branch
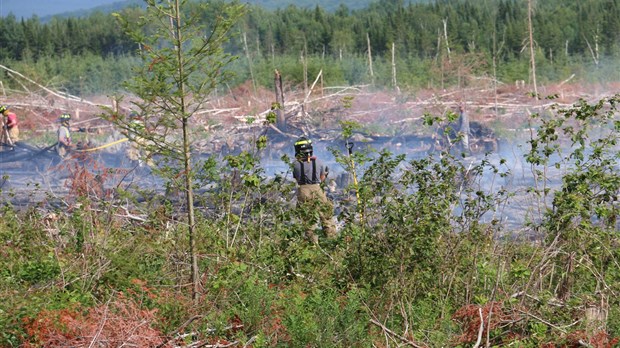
103	321
281	132
181	328
216	111
480	330
568	79
57	94
404	339
217	345
20	83
318	76
247	344
548	323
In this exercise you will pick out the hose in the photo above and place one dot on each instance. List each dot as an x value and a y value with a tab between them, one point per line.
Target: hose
103	146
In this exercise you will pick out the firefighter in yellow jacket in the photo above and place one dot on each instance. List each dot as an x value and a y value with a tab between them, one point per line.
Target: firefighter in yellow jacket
309	172
137	151
64	145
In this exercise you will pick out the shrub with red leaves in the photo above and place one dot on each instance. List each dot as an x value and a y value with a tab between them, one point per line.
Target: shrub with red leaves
469	318
600	339
119	323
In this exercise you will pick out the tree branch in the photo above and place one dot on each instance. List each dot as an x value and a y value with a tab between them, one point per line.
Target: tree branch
404	339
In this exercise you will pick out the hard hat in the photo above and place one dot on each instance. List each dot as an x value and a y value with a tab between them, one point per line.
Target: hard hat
303	146
64	117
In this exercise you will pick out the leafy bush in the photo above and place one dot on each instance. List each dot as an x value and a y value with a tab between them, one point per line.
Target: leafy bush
422	254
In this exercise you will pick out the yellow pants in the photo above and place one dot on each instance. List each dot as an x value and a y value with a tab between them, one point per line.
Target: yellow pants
9	136
313	197
62	150
14	134
136	152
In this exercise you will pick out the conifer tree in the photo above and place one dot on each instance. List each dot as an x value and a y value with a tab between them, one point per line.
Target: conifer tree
182	63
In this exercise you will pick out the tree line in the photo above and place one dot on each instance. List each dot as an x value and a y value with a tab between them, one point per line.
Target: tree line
425	41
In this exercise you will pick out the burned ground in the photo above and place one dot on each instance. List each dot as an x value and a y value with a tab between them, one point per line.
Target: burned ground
231	123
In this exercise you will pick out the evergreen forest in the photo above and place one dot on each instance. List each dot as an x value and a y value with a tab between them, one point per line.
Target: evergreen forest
434	44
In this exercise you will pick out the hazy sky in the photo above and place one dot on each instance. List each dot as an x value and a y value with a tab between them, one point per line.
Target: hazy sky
42	8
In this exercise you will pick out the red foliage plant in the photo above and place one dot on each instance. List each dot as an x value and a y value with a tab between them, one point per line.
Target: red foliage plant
118	323
87	176
599	339
469	318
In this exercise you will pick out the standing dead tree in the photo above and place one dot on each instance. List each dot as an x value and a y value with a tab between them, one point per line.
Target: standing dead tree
394	83
445	36
372	73
278	108
531	36
593	52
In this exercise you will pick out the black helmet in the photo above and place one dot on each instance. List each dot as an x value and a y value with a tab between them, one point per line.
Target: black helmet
303	147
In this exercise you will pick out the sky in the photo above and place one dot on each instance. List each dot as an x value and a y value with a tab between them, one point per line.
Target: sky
42	8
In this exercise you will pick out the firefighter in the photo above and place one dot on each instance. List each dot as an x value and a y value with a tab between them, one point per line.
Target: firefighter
10	131
64	144
136	150
309	172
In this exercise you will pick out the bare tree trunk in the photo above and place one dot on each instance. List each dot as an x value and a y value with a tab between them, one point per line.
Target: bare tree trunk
593	52
258	46
394	68
372	73
551	55
305	69
318	77
438	47
280	120
114	103
273	53
532	56
496	52
445	36
248	56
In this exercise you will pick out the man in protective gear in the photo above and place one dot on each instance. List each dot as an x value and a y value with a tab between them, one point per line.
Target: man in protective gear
10	131
309	172
137	149
64	144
